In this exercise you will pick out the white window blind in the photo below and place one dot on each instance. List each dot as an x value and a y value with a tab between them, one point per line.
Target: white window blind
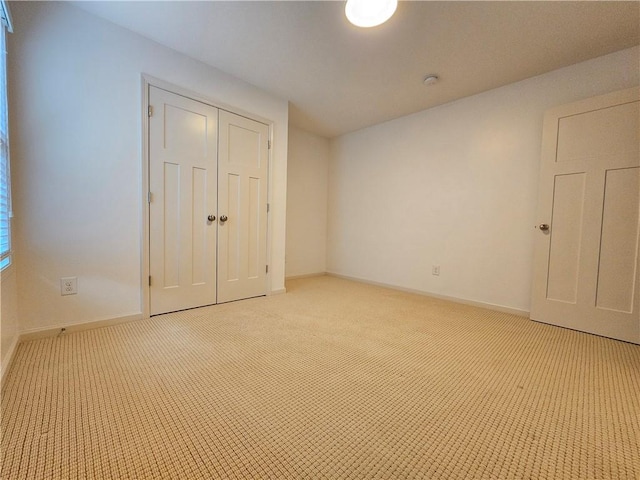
5	179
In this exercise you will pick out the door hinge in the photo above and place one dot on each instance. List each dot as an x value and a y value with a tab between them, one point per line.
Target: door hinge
269	144
267	268
149	197
149	280
150	110
268	208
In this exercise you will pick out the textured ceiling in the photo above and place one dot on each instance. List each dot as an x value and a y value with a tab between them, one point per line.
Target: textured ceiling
339	78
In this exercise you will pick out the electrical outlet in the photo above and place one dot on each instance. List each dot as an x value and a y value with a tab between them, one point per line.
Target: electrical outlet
435	270
68	285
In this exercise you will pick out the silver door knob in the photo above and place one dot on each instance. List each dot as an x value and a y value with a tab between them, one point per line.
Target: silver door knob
223	218
211	218
544	227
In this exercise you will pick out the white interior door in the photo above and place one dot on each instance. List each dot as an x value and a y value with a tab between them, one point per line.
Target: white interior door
182	181
242	194
587	263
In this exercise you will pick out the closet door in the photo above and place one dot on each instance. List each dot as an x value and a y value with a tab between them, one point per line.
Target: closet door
242	195
183	202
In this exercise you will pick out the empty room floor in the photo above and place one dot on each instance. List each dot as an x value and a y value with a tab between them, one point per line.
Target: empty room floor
335	379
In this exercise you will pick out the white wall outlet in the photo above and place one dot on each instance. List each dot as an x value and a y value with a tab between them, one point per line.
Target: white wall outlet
68	285
435	270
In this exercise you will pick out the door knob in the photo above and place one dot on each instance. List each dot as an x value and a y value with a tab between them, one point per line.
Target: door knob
223	218
211	218
544	227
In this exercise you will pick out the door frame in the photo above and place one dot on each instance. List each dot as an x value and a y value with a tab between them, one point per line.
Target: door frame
146	82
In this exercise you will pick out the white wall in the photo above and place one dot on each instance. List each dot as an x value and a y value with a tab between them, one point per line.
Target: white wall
75	98
9	331
455	186
307	169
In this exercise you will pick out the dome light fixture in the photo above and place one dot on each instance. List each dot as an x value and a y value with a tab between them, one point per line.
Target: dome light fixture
369	13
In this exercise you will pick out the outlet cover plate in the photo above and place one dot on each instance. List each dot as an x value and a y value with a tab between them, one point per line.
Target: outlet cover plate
68	285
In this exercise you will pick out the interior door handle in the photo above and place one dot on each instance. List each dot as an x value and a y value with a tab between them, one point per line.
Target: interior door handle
223	218
211	218
544	227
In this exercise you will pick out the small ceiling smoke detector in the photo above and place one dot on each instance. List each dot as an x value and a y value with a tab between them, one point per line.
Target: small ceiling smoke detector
430	79
369	13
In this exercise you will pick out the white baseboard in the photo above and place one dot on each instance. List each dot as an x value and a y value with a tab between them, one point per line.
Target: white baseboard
279	291
6	361
36	333
306	275
464	301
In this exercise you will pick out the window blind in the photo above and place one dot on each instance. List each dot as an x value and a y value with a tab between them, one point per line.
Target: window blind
5	182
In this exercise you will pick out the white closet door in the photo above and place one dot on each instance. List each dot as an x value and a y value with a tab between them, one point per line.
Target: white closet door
587	262
183	184
242	194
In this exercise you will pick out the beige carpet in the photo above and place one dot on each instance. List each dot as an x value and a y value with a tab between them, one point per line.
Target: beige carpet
333	380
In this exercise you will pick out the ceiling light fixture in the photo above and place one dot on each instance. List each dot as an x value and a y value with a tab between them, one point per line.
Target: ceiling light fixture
430	79
369	13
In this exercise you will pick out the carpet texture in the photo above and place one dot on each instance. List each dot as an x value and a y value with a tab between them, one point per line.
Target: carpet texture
335	380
